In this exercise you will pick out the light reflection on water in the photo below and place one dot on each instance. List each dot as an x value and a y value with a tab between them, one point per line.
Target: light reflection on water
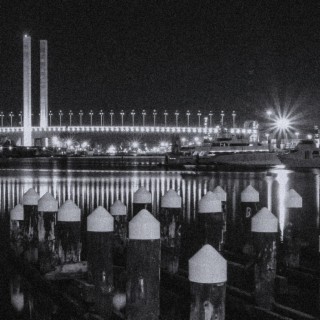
90	188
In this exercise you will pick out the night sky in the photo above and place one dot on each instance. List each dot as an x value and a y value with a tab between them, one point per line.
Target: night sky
245	56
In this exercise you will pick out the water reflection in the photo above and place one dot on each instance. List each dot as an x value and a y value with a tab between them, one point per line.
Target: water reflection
104	187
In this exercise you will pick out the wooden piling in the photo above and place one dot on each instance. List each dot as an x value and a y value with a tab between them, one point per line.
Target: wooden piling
292	240
249	207
31	242
143	267
142	199
119	212
17	230
265	229
100	263
68	243
48	210
171	225
221	195
210	217
208	277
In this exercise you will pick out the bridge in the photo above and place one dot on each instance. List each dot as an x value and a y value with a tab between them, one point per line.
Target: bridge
140	129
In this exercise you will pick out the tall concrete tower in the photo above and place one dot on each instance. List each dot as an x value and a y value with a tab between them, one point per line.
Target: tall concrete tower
43	83
27	131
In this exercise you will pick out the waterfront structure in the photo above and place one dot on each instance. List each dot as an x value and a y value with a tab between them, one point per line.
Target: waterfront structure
43	83
27	125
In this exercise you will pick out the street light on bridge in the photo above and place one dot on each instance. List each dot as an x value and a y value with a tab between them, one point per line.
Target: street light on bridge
222	116
144	113
233	119
70	117
165	117
210	118
111	117
177	117
188	118
122	115
154	117
50	117
132	114
91	114
80	117
1	115
199	118
11	115
60	117
101	113
20	115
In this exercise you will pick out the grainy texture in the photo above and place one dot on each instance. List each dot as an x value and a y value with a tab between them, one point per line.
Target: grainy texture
207	301
143	270
265	246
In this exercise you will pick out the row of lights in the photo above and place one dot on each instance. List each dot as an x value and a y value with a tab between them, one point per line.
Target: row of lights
122	114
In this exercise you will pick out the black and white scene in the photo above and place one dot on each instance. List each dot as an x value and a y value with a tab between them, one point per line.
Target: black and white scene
159	160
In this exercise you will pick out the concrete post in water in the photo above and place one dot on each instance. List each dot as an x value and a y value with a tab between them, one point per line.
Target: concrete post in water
170	218
143	267
292	232
221	195
142	199
17	229
48	209
208	277
68	229
119	212
265	229
210	217
30	207
100	263
249	207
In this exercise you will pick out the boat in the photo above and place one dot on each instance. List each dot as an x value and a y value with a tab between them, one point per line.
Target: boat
224	150
305	155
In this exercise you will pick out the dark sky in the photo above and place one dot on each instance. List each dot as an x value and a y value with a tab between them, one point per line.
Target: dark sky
207	55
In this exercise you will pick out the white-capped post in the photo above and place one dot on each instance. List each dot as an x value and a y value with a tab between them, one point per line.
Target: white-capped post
208	277
292	235
119	212
248	208
100	226
143	268
17	229
142	199
48	209
210	217
171	228
30	207
68	239
264	228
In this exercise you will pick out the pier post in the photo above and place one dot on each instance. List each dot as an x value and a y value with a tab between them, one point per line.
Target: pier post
143	268
142	199
208	277
249	207
170	218
265	230
292	232
119	212
48	209
68	229
100	263
221	195
30	207
17	229
210	217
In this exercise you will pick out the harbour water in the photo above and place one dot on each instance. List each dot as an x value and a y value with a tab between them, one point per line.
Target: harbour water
91	184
